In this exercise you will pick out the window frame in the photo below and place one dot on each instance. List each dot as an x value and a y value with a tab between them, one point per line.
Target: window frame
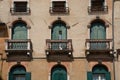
12	9
64	9
103	8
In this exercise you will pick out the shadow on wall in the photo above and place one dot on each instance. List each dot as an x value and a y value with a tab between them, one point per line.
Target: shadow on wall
3	30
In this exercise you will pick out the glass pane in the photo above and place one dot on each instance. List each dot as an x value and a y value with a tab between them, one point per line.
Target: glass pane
99	77
19	77
97	2
59	4
20	6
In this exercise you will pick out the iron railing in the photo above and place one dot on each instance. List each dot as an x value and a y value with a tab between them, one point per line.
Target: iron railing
97	9
18	45
59	10
99	44
20	10
59	45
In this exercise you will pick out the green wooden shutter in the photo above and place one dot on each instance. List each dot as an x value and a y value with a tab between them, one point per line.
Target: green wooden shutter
10	76
55	32
28	76
59	74
98	31
19	31
89	76
93	31
101	31
56	29
102	35
93	35
107	75
55	36
59	32
64	36
64	31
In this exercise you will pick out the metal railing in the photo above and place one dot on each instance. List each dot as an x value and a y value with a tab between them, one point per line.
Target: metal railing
97	9
59	10
18	45
99	44
62	45
20	10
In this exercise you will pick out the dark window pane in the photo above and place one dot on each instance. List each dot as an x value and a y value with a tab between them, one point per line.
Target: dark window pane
20	6
19	77
59	4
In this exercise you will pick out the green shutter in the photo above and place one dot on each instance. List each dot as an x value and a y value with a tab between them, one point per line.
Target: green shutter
55	32
56	29
55	36
89	76
19	31
64	32
59	32
64	36
10	76
102	35
59	74
107	75
101	31
98	31
28	76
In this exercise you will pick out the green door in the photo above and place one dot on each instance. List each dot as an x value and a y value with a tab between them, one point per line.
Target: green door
59	73
19	32
59	32
98	32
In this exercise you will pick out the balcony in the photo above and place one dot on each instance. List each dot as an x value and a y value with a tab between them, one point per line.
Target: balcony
59	49
18	49
59	10
97	9
93	45
99	49
20	11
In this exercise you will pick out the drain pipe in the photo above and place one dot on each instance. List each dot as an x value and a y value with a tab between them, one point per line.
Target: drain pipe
114	70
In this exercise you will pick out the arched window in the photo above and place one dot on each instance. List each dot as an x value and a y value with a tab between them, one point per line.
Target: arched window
19	30
59	33
99	72
58	73
19	73
98	32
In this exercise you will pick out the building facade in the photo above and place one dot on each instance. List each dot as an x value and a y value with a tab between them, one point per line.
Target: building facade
116	39
59	39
